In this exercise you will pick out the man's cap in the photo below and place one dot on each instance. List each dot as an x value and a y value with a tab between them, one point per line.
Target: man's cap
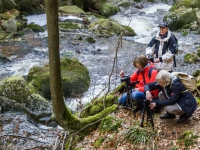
163	24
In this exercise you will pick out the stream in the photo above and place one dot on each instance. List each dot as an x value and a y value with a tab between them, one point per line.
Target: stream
97	57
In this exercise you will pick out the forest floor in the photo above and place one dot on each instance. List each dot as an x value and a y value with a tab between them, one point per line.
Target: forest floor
168	134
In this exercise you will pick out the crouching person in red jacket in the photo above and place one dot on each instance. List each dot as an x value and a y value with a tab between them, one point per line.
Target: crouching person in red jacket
144	74
173	94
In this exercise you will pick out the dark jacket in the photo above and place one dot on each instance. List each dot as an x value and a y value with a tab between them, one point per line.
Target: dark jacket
185	100
143	78
163	49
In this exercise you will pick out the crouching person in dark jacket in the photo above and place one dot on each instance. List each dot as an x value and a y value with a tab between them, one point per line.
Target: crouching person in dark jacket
173	94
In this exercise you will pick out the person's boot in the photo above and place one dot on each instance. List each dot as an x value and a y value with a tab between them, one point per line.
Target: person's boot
140	109
182	118
168	116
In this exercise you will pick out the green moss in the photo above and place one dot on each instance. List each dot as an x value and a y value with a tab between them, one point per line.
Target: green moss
71	9
90	39
109	124
35	27
105	27
4	16
186	26
196	73
184	33
108	9
190	58
68	25
14	88
96	105
130	30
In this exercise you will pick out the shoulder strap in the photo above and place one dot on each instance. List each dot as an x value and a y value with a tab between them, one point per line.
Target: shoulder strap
138	72
150	71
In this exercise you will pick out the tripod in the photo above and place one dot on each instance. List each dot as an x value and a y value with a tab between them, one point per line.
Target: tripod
128	90
148	112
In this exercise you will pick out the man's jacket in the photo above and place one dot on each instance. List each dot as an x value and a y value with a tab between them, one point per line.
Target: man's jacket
164	50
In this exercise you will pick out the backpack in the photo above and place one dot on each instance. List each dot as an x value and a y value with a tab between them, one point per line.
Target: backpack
187	80
176	47
176	40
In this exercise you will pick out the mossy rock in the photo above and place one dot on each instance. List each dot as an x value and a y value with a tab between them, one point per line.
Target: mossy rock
185	4
71	9
108	9
35	27
90	39
190	58
16	94
14	88
11	14
124	3
8	5
108	27
75	78
97	4
30	7
180	18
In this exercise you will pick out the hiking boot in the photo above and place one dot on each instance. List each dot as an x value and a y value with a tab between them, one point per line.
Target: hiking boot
182	118
140	109
168	116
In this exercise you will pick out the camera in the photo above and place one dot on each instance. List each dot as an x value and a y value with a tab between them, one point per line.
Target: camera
126	79
150	58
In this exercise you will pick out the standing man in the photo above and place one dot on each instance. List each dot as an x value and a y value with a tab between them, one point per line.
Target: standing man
162	48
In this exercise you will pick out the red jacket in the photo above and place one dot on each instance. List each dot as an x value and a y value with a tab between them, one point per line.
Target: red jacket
138	76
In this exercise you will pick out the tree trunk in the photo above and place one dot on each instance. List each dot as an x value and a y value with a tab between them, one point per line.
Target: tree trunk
54	59
62	114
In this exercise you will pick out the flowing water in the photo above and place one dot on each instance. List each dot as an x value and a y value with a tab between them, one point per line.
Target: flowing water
98	57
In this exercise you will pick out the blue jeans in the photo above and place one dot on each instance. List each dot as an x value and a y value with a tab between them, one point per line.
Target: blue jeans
137	96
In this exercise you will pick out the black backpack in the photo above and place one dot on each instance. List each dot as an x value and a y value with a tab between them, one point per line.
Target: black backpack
176	49
176	40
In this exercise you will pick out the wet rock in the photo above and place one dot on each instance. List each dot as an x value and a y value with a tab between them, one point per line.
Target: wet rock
108	9
15	94
71	9
109	27
75	78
